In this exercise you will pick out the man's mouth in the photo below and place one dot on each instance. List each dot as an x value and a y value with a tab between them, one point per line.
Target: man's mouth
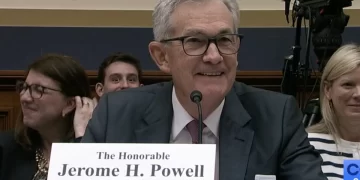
211	74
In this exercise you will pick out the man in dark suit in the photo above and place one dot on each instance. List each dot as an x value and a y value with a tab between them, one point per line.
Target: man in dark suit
255	131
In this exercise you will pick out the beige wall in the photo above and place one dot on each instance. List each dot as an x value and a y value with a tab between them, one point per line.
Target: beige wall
130	4
131	13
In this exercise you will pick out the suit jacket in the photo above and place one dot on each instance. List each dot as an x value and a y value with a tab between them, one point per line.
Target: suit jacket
16	163
260	132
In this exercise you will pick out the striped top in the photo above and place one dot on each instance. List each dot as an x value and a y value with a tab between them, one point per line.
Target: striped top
333	157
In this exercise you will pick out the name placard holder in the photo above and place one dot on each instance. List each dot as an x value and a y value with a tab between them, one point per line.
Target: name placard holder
352	169
102	161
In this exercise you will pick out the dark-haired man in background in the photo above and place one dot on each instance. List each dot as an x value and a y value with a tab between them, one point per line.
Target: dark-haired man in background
117	72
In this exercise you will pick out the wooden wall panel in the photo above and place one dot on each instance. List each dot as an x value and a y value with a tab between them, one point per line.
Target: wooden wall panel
7	118
10	107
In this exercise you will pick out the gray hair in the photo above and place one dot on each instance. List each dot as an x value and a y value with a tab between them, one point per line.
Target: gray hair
164	9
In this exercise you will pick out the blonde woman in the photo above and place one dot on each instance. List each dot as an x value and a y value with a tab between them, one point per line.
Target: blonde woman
337	135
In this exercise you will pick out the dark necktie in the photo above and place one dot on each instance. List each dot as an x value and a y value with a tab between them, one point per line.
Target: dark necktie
193	127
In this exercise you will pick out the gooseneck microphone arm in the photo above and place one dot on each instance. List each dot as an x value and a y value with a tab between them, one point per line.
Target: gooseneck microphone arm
196	97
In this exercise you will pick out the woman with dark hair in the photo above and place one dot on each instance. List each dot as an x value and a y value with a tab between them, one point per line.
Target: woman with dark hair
55	107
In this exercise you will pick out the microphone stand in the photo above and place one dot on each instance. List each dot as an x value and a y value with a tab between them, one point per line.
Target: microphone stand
196	97
293	69
200	122
312	113
291	66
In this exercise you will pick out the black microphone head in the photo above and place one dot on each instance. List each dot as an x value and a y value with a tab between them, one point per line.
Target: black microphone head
196	96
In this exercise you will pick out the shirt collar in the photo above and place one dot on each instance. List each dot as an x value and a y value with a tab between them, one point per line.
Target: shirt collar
182	117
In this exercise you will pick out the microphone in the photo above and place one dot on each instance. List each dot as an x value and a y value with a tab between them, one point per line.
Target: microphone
196	97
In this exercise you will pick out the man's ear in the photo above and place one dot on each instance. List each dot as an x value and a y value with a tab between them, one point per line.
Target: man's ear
158	54
99	89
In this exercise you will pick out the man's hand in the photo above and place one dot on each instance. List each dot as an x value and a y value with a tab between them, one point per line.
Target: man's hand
83	113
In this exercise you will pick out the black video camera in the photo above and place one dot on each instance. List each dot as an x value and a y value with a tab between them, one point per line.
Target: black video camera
325	3
328	25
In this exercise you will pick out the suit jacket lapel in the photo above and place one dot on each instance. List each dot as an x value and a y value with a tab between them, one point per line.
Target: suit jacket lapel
236	138
156	127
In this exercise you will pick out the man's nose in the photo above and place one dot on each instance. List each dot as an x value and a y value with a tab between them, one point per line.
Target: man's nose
212	55
124	85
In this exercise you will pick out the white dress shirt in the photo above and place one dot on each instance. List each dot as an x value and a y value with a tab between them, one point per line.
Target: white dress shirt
181	135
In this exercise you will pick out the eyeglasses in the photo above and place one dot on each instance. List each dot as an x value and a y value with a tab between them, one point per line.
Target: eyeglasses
197	45
36	91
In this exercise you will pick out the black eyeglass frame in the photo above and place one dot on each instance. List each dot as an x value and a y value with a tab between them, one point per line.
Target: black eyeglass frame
210	40
21	89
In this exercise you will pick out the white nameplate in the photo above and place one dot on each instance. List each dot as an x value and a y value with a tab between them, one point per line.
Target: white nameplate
100	161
